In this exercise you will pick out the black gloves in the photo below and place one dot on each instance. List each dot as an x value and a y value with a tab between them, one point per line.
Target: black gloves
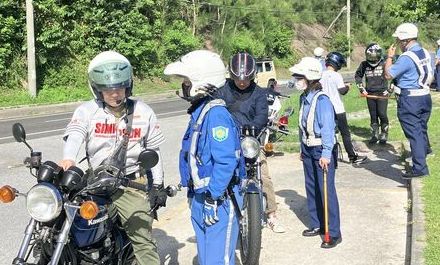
158	197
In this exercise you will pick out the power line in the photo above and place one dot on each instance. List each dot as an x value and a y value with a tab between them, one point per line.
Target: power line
272	10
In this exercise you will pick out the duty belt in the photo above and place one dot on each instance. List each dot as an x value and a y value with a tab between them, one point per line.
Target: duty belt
411	92
312	141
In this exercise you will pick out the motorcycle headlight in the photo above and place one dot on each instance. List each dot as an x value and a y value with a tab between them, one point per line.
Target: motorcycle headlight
250	147
44	202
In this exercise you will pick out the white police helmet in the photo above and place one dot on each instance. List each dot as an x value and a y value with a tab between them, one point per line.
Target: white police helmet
202	68
318	52
110	70
308	67
406	31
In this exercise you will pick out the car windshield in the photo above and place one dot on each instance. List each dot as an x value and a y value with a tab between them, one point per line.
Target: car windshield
259	67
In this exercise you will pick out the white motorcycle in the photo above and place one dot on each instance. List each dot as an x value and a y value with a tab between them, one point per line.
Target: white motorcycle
277	126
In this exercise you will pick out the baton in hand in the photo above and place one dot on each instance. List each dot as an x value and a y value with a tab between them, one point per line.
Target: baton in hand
375	97
326	223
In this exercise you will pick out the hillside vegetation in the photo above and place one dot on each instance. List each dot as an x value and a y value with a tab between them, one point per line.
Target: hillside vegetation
152	33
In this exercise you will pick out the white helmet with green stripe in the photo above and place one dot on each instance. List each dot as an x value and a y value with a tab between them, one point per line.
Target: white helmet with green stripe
110	70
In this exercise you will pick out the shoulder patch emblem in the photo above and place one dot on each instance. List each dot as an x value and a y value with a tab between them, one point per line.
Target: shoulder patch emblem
220	133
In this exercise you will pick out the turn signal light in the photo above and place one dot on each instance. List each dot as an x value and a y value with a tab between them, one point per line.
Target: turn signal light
268	147
89	210
7	194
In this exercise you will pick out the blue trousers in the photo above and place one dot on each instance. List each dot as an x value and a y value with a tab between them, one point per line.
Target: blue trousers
413	114
314	181
437	76
216	243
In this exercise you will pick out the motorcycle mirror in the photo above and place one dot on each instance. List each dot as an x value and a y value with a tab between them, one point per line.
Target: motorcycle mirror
148	158
289	111
19	132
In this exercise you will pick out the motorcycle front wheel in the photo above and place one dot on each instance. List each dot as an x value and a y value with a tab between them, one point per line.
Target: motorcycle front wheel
250	230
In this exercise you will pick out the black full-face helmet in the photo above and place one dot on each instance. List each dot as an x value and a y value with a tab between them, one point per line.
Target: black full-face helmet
335	59
373	53
110	70
242	67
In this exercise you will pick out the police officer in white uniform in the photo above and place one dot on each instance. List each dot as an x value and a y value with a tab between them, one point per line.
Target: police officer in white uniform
412	74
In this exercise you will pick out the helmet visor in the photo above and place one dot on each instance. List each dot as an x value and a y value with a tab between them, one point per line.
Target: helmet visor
373	57
110	76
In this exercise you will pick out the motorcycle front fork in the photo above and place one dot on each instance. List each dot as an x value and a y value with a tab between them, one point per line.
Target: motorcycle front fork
63	236
25	243
261	194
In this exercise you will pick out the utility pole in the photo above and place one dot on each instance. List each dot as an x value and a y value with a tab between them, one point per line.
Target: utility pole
348	34
32	73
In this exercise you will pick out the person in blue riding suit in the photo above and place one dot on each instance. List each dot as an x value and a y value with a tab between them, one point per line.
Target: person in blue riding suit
412	74
211	164
317	127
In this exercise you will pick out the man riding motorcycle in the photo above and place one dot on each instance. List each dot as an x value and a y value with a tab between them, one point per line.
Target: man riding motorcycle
102	123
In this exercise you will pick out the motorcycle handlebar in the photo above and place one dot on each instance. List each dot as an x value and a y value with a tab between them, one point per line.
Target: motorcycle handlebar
135	185
278	130
170	190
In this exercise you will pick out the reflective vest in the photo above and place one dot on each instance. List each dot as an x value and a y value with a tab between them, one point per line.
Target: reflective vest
422	60
308	133
193	172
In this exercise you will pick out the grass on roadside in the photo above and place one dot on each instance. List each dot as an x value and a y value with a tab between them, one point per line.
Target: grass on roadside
10	98
359	122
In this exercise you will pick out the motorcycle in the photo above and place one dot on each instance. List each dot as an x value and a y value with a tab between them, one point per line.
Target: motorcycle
252	215
277	126
70	218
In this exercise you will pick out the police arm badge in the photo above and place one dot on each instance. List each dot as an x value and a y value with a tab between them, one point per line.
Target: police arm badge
220	133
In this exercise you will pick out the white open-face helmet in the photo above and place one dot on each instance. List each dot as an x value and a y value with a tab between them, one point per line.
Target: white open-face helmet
318	52
406	31
202	68
308	67
110	70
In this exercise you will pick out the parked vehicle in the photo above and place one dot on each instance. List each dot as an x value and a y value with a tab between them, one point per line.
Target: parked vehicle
265	71
70	218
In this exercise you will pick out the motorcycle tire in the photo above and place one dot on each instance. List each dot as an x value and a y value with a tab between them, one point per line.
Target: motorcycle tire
250	230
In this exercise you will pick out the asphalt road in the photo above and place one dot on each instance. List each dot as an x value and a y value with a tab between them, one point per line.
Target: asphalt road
53	123
50	124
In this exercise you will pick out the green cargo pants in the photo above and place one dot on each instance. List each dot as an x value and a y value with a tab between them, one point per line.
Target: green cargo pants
132	208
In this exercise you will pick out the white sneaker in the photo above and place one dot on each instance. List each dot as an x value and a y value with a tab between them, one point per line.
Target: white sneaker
274	224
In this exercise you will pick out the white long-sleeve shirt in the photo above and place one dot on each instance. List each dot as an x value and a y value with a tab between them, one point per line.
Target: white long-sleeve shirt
102	132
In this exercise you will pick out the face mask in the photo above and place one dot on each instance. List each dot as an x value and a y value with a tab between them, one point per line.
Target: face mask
301	84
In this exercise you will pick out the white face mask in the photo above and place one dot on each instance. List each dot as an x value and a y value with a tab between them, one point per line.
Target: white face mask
301	84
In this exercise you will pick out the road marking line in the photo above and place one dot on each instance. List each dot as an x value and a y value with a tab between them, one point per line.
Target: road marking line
171	112
65	119
35	133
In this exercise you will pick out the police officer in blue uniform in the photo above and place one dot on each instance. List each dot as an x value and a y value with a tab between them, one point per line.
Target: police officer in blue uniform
318	149
412	74
437	66
210	158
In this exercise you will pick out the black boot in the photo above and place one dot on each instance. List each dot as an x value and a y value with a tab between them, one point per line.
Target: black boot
383	137
374	133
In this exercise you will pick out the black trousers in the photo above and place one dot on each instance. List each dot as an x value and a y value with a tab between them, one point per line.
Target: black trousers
345	133
378	111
